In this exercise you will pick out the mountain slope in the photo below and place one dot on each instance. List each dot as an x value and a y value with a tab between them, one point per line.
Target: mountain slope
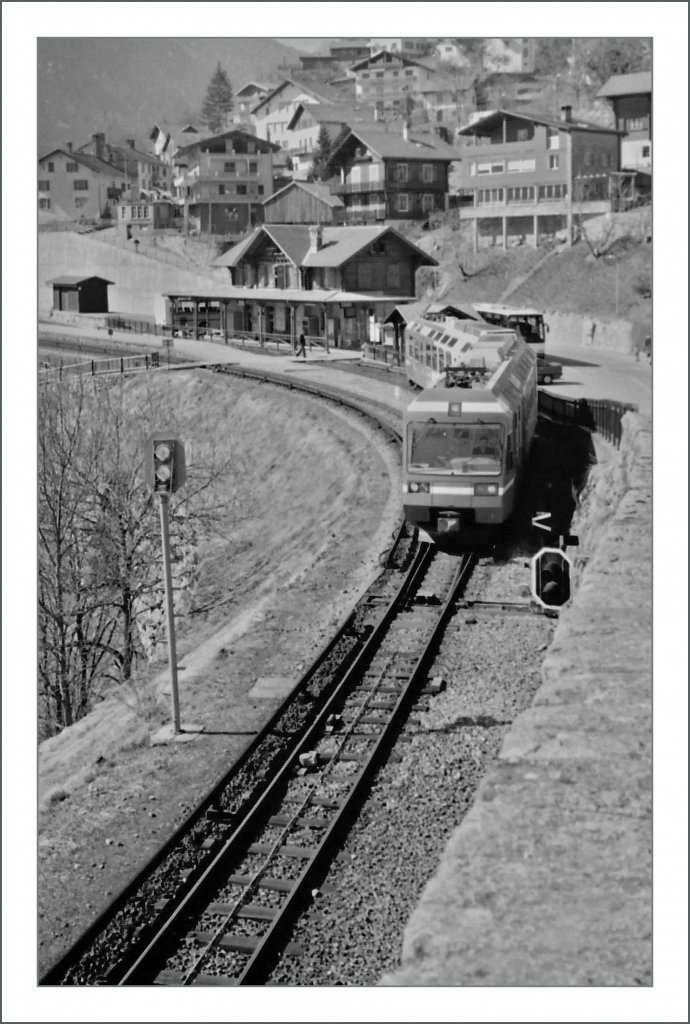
124	86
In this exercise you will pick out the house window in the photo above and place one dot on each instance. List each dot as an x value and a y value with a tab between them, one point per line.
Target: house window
486	196
521	166
80	201
554	161
241	190
553	140
229	166
261	190
253	167
522	134
634	124
491	167
71	166
221	190
81	185
403	203
379	74
427	172
409	73
44	204
522	194
365	74
401	172
588	160
553	191
427	202
646	151
44	186
51	167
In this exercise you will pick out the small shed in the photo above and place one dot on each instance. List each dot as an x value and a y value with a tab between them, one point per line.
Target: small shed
80	294
304	202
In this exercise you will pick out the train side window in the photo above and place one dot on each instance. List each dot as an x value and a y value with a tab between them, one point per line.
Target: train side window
509	453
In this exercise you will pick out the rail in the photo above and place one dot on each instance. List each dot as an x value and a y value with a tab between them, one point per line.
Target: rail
601	415
94	367
382	354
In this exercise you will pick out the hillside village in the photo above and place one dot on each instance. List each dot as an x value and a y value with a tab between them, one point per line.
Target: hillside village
363	161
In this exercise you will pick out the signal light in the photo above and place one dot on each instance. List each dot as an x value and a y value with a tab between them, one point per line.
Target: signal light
551	578
165	465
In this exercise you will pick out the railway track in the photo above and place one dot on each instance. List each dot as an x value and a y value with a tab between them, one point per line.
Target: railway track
235	920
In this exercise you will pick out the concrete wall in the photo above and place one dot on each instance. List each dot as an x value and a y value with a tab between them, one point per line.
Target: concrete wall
139	281
575	330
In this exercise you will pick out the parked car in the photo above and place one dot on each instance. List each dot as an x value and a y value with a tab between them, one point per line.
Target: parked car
548	372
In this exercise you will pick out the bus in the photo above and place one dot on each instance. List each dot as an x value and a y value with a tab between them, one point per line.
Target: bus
529	322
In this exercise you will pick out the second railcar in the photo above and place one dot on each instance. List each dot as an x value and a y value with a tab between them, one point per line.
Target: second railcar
466	441
432	346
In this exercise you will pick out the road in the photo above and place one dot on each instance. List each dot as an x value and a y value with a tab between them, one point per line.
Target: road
596	373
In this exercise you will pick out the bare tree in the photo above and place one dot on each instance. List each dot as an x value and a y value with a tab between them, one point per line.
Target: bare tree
100	587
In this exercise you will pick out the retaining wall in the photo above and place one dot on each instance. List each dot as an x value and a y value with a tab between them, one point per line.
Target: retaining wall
140	282
575	330
547	880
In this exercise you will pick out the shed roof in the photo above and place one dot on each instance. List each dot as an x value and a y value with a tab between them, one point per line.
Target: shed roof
72	280
314	188
627	85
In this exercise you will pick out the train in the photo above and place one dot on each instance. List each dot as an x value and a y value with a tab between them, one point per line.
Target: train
468	433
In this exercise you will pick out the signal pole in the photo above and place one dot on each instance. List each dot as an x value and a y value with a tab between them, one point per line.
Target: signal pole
172	653
165	473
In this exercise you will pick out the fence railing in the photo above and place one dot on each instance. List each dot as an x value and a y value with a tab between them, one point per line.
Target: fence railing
382	354
93	367
135	326
602	415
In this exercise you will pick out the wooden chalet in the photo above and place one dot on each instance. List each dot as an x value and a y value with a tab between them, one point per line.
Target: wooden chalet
390	175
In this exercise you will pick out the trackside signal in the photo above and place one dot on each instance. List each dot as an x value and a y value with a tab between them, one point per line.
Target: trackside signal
165	464
551	570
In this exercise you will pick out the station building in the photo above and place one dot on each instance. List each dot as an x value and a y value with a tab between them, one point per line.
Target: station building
335	285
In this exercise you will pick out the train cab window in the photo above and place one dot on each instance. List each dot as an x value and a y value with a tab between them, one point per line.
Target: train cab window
455	449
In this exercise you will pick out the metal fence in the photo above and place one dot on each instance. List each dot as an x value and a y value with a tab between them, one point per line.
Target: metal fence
94	367
135	326
602	415
382	354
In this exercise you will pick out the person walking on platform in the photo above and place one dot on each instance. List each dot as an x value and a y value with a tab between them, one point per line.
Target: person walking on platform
301	351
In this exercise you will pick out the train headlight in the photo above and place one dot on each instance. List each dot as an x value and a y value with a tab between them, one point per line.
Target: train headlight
486	490
416	487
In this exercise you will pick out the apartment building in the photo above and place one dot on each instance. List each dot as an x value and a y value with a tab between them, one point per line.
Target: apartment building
142	172
76	186
222	180
390	82
523	175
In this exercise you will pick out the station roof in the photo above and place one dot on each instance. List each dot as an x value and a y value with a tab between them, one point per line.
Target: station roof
286	295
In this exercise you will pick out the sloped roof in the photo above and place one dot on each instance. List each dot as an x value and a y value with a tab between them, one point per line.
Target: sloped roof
264	146
323	93
389	144
339	244
92	162
627	85
374	56
314	188
126	151
546	119
71	280
174	129
332	113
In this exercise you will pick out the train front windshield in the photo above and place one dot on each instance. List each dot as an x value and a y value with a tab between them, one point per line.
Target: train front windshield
469	449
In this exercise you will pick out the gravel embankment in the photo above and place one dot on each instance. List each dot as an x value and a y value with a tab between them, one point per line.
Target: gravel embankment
352	932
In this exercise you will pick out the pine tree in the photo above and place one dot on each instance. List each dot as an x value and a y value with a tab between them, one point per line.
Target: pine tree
321	157
218	101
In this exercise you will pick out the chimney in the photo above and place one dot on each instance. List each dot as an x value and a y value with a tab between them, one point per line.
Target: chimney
315	238
567	113
99	144
69	147
406	131
130	143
